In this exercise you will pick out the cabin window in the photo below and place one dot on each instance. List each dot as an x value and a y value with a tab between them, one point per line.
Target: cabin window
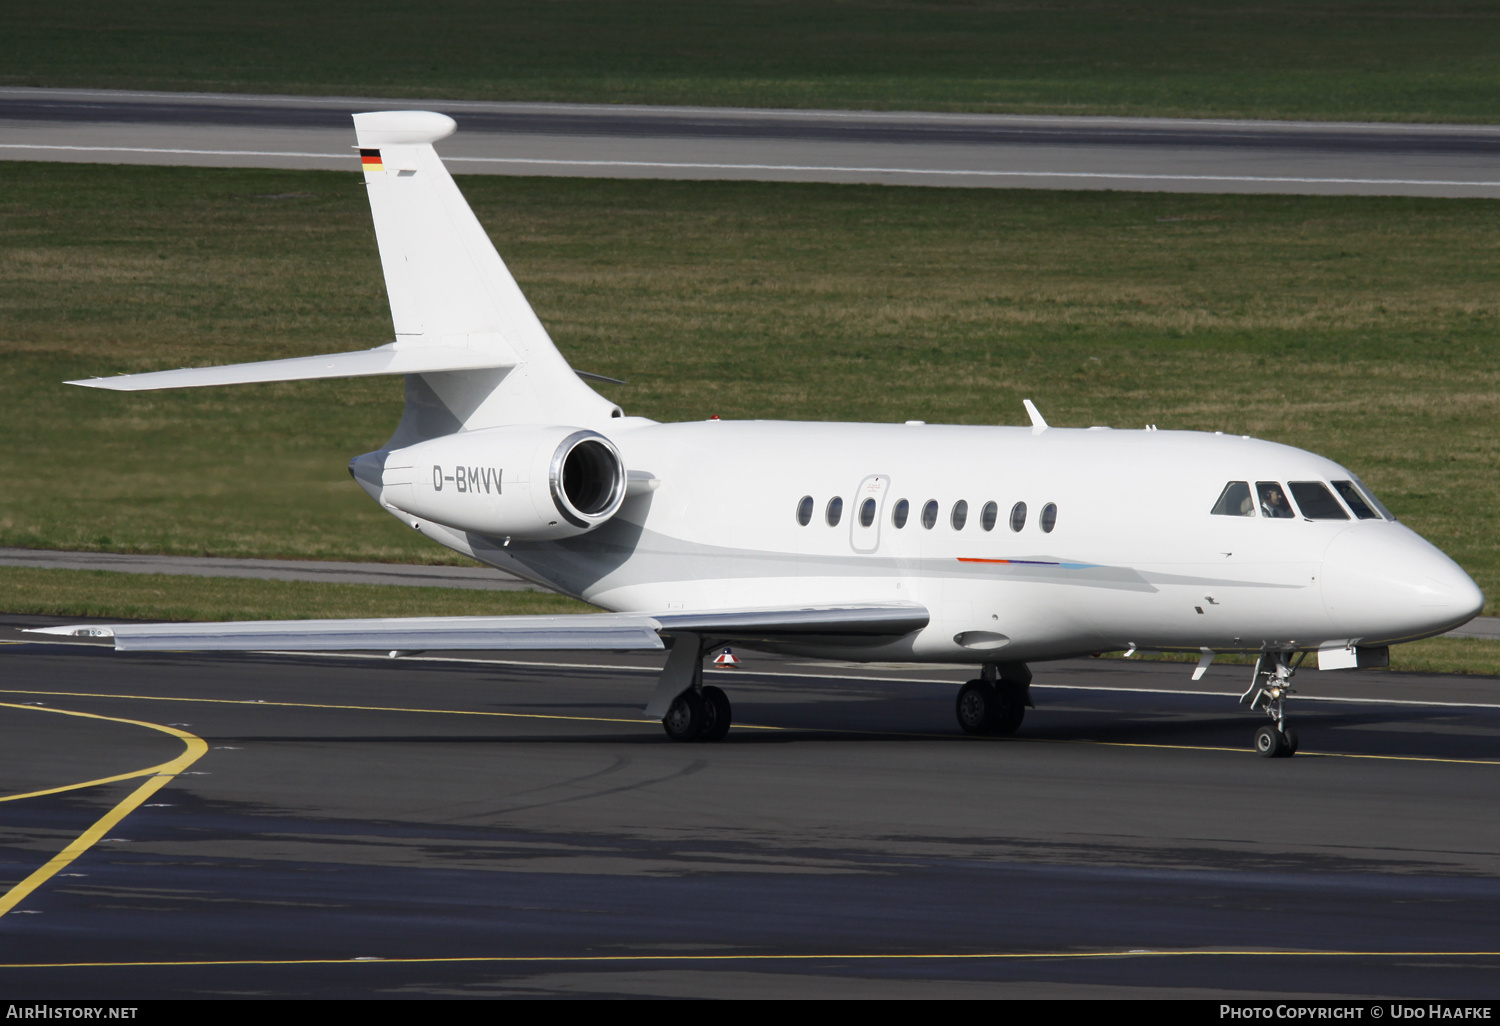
867	513
1049	517
1273	501
804	510
929	514
1235	501
1354	500
960	515
1316	501
988	516
900	513
835	511
1018	516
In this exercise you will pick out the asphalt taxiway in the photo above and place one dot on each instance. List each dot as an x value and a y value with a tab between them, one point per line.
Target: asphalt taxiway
899	148
488	825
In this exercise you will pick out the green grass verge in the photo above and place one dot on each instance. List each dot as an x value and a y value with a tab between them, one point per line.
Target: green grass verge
103	593
1434	655
1361	328
1342	59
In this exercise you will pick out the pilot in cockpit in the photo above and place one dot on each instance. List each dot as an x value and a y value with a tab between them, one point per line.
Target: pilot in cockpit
1273	501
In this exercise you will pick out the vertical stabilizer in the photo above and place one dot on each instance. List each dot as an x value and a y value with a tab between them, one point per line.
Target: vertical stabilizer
449	288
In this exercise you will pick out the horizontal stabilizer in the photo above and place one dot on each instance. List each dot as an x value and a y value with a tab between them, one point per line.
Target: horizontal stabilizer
587	631
364	363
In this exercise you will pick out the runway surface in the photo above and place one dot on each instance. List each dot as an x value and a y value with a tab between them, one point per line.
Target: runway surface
970	150
471	827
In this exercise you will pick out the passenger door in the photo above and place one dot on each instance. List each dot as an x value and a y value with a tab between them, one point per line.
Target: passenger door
866	512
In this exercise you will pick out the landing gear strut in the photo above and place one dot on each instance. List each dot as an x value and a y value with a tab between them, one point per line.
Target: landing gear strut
995	703
1268	691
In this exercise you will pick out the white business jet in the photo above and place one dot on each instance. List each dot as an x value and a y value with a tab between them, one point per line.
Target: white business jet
994	546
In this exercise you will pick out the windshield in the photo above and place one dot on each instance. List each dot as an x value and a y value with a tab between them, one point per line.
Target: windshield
1316	501
1364	490
1354	500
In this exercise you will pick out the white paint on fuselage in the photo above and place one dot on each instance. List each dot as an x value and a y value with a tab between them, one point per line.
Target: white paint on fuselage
1134	556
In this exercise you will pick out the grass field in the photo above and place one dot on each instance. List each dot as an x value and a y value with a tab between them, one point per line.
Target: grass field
101	593
1341	59
1434	655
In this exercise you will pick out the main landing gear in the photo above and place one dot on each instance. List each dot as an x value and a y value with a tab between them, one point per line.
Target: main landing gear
688	710
1268	691
698	714
996	703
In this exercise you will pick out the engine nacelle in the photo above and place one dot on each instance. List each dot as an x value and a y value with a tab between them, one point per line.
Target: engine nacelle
519	482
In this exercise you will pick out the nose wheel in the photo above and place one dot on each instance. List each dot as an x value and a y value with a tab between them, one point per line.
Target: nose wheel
1268	691
1271	743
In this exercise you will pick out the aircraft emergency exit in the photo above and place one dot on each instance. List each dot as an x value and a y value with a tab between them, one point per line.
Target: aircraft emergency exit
992	546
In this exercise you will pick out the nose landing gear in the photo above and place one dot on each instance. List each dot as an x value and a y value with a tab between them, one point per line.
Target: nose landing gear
1268	690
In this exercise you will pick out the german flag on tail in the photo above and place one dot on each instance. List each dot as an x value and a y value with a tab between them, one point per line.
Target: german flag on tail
370	160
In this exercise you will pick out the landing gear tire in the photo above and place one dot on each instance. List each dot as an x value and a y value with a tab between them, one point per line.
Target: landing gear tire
977	707
686	718
717	714
1271	743
1291	741
1011	709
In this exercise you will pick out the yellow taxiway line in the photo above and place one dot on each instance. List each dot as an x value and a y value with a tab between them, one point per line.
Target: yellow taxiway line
156	776
634	721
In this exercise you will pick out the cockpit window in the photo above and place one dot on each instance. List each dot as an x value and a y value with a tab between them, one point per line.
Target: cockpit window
1273	501
1235	501
1316	501
1364	490
1354	500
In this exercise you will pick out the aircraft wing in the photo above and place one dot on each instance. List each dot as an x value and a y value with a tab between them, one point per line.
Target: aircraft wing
580	632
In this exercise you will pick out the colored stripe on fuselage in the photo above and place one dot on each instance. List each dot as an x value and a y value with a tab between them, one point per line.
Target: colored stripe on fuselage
1027	562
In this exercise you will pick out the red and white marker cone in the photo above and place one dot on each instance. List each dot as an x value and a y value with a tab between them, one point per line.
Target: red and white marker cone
726	659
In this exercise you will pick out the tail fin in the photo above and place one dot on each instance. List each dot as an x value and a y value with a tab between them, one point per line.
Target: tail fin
472	349
449	289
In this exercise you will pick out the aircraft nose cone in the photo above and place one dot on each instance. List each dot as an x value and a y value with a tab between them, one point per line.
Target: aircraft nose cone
1385	582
